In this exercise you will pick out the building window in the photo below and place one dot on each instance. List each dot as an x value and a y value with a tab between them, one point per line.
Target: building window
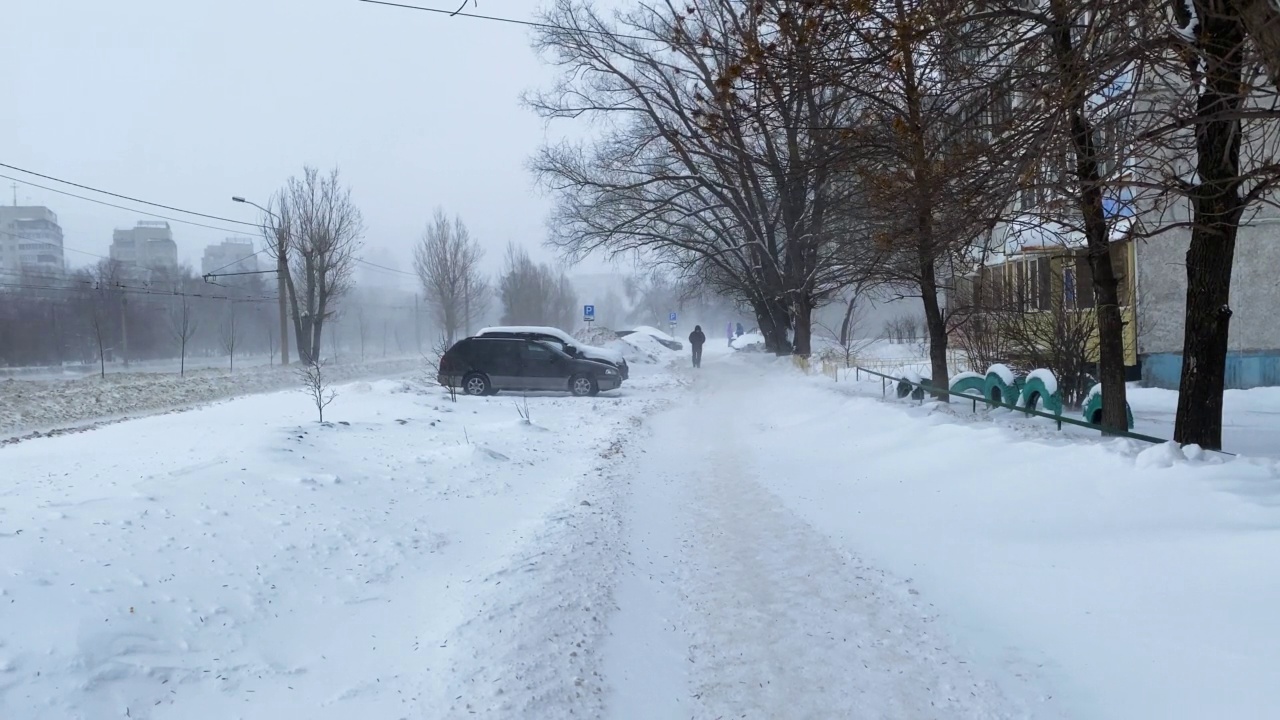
1069	288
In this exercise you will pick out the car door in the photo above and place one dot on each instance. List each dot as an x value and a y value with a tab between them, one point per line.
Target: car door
542	368
502	361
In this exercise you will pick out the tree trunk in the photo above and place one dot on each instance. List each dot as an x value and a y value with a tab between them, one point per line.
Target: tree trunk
1217	207
846	325
1106	287
803	318
936	325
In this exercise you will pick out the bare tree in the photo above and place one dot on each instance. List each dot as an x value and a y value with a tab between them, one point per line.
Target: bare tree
183	325
535	294
447	260
845	336
229	335
719	167
315	224
317	386
910	328
434	359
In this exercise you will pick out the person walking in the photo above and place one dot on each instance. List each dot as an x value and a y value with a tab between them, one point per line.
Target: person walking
696	340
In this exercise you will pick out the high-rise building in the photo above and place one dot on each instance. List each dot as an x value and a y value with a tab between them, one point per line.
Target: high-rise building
148	245
233	255
30	240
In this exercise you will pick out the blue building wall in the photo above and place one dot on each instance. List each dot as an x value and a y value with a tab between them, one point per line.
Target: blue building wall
1244	370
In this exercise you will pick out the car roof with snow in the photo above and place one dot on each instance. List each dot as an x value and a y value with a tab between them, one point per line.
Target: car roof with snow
605	353
554	332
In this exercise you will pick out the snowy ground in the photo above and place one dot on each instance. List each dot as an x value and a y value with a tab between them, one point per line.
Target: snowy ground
735	541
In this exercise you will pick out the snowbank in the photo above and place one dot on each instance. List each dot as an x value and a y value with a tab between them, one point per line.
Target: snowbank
749	341
413	558
644	348
653	332
598	336
1139	582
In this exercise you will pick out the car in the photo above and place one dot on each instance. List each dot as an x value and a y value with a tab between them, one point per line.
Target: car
570	345
487	365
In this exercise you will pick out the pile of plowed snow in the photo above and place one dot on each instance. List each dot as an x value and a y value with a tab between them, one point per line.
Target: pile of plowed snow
596	336
653	332
639	347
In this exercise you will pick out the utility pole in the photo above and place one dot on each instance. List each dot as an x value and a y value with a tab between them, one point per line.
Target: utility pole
417	329
282	270
282	267
124	327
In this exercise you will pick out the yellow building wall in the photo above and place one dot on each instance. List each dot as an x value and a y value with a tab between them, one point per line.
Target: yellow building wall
1127	309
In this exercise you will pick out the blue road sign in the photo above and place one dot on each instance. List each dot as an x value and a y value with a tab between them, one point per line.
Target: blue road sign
671	318
588	312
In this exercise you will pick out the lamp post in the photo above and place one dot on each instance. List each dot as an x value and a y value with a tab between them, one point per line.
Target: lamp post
282	267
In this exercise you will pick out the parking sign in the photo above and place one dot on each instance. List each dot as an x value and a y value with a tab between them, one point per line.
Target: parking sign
588	312
671	318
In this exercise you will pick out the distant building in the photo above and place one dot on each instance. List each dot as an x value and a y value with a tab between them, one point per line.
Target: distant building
30	240
233	255
149	245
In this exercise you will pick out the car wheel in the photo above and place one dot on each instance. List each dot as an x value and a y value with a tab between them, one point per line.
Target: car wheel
582	386
476	385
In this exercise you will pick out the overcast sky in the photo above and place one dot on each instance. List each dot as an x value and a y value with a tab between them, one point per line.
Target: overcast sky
187	102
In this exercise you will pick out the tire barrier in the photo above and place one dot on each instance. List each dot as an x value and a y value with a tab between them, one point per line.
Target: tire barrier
912	385
969	384
1092	409
1001	386
1040	392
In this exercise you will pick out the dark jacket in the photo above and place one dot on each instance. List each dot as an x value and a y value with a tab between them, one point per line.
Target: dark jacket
696	338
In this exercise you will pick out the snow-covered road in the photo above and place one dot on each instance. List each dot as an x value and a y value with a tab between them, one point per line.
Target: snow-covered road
740	541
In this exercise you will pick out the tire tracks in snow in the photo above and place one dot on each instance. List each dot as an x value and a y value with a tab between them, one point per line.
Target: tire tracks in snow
533	648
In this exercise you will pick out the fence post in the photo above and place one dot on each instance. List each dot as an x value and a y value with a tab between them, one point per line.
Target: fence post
882	386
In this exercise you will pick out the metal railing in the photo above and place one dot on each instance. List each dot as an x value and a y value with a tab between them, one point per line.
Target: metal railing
926	388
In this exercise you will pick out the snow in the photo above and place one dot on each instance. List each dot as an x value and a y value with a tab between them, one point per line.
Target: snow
966	376
1006	375
748	341
1142	584
1046	377
643	348
740	539
1249	417
654	332
1095	391
1188	32
282	568
591	351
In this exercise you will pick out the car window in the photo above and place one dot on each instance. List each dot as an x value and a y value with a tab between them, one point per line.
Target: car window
495	350
538	352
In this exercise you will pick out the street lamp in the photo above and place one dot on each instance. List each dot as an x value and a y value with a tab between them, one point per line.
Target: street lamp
282	267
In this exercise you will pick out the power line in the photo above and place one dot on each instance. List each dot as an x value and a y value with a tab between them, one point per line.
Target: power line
512	21
122	207
384	267
124	197
237	262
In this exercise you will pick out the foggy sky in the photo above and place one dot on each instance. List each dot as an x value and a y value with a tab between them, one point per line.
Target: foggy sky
189	102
